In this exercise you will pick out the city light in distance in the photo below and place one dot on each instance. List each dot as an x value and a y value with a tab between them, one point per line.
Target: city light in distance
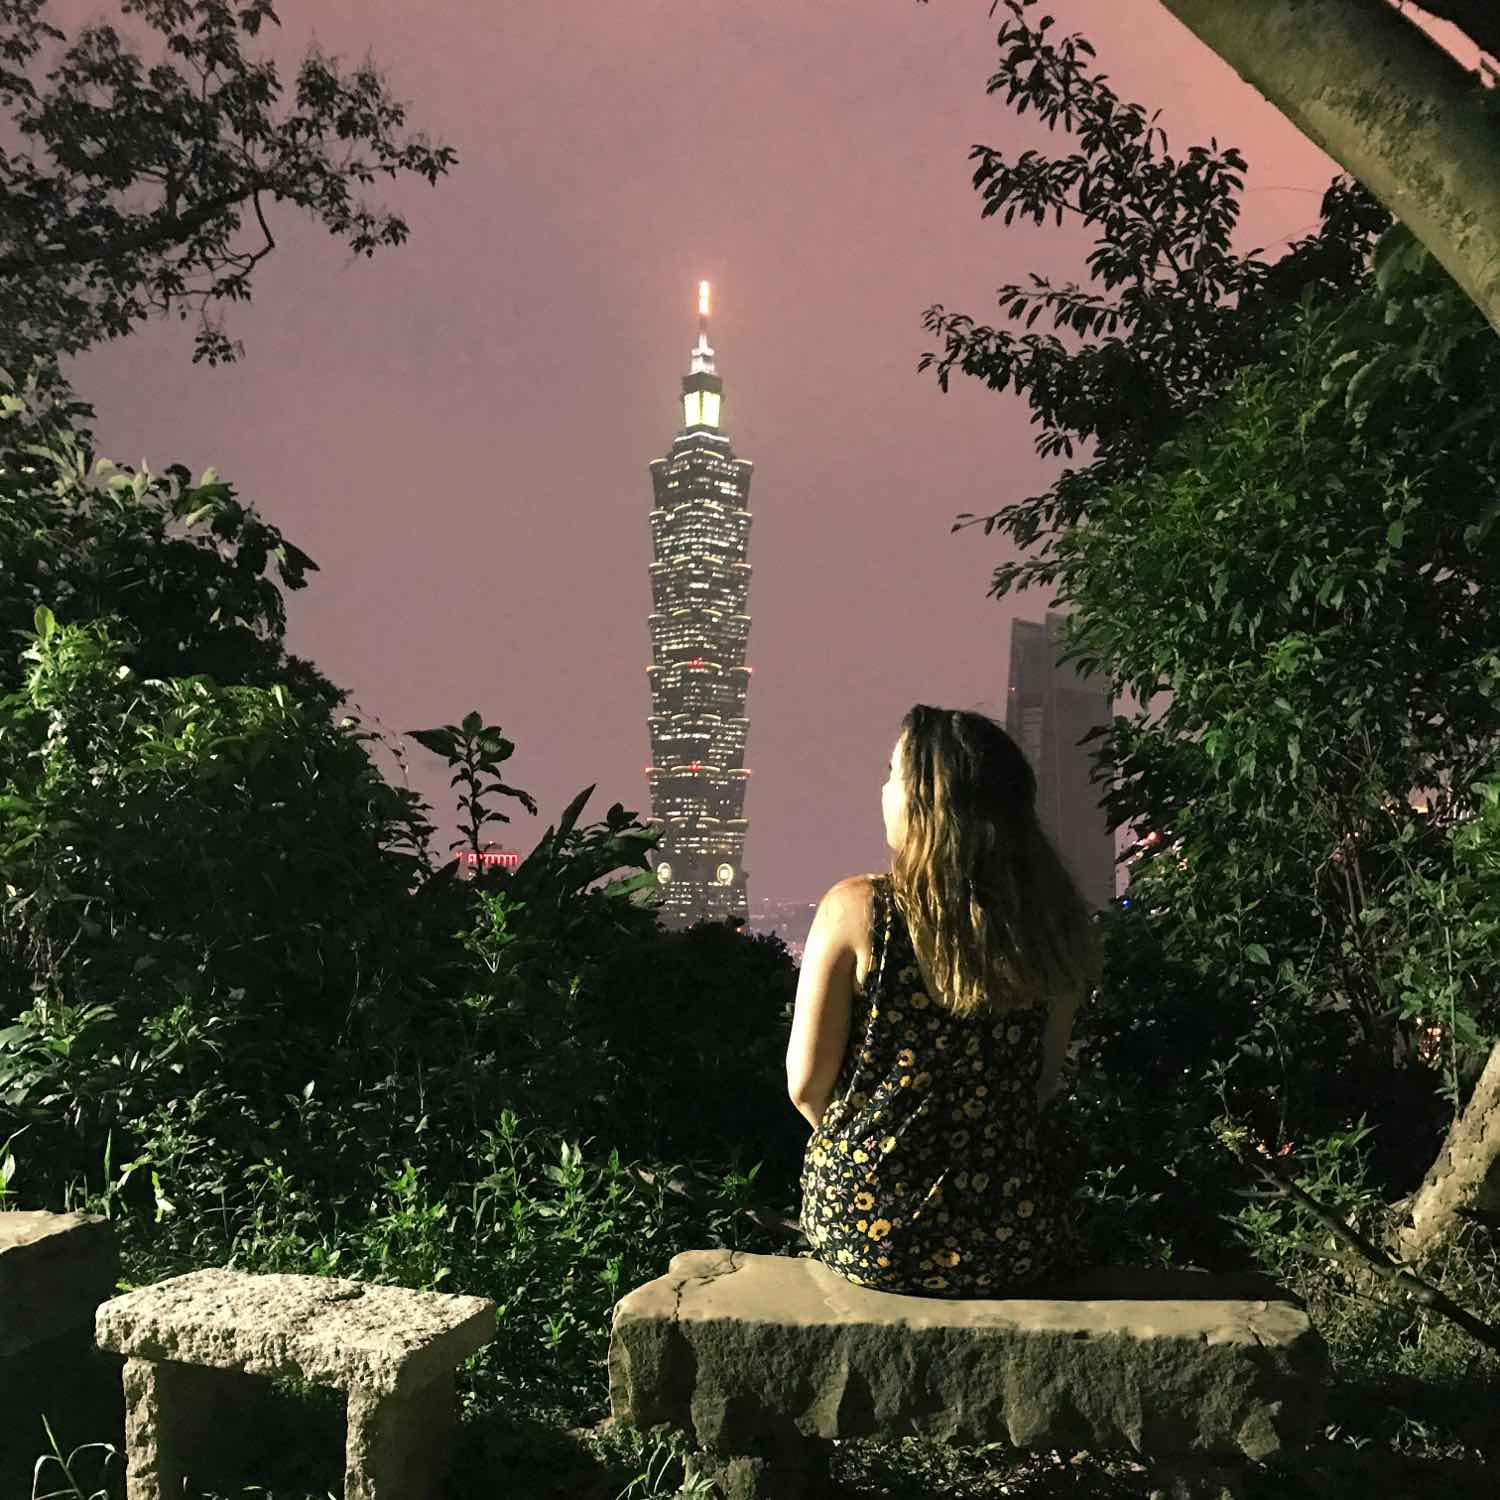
702	299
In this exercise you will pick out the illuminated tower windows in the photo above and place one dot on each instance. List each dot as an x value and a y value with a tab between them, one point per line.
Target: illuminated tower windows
700	626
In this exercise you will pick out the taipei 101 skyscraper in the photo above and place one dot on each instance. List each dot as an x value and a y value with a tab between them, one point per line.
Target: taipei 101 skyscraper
700	587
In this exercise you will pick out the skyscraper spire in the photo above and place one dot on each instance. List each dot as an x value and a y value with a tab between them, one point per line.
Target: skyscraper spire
702	390
703	354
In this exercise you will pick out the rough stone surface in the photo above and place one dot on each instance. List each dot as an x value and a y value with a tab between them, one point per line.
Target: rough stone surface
185	1428
749	1353
398	1445
332	1332
55	1269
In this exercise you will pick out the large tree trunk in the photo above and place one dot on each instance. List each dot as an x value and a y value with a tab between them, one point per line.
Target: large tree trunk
1385	102
1465	1175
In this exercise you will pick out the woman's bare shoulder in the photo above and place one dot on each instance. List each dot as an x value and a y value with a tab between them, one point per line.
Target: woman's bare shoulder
855	896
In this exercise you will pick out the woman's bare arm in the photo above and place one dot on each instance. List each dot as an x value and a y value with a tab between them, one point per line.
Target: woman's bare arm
1055	1040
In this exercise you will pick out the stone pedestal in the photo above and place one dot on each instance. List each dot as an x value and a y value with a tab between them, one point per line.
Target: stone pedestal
397	1445
55	1269
191	1341
185	1425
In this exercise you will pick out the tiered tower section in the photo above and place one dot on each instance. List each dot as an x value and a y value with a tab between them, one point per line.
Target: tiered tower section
700	588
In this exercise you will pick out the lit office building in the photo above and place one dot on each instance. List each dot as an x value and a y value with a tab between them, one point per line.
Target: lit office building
1049	708
700	584
489	858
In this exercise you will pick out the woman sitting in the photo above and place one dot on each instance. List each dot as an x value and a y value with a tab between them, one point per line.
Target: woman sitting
933	1014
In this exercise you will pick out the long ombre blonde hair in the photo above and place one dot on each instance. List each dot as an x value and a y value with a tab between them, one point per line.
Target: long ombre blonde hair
996	920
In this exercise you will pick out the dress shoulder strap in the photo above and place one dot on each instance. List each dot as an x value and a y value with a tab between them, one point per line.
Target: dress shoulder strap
880	933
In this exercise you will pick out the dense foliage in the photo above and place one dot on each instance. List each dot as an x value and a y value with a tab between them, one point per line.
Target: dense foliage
243	1011
1281	543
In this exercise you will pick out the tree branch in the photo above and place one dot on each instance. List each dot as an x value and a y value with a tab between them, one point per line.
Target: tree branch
1390	105
168	230
1477	19
1372	1257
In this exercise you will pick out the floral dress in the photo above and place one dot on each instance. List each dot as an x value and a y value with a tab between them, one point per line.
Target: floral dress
934	1171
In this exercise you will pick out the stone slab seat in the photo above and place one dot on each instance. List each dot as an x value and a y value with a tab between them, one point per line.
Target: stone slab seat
55	1269
190	1339
764	1359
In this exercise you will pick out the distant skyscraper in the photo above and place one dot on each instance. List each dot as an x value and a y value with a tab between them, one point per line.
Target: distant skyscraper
1049	708
700	584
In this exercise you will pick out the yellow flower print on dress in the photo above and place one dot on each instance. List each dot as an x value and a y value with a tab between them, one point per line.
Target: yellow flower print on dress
963	1085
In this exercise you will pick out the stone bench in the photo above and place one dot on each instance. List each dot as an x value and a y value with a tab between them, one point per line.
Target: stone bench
190	1341
55	1269
764	1359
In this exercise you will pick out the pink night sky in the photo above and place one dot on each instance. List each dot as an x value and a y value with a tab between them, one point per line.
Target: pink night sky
458	430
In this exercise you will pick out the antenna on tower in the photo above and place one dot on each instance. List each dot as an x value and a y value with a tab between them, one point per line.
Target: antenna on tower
703	354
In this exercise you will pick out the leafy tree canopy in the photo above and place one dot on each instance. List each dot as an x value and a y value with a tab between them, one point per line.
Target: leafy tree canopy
138	177
1176	312
1305	570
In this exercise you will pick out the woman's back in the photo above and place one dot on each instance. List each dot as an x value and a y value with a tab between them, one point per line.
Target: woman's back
933	1169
